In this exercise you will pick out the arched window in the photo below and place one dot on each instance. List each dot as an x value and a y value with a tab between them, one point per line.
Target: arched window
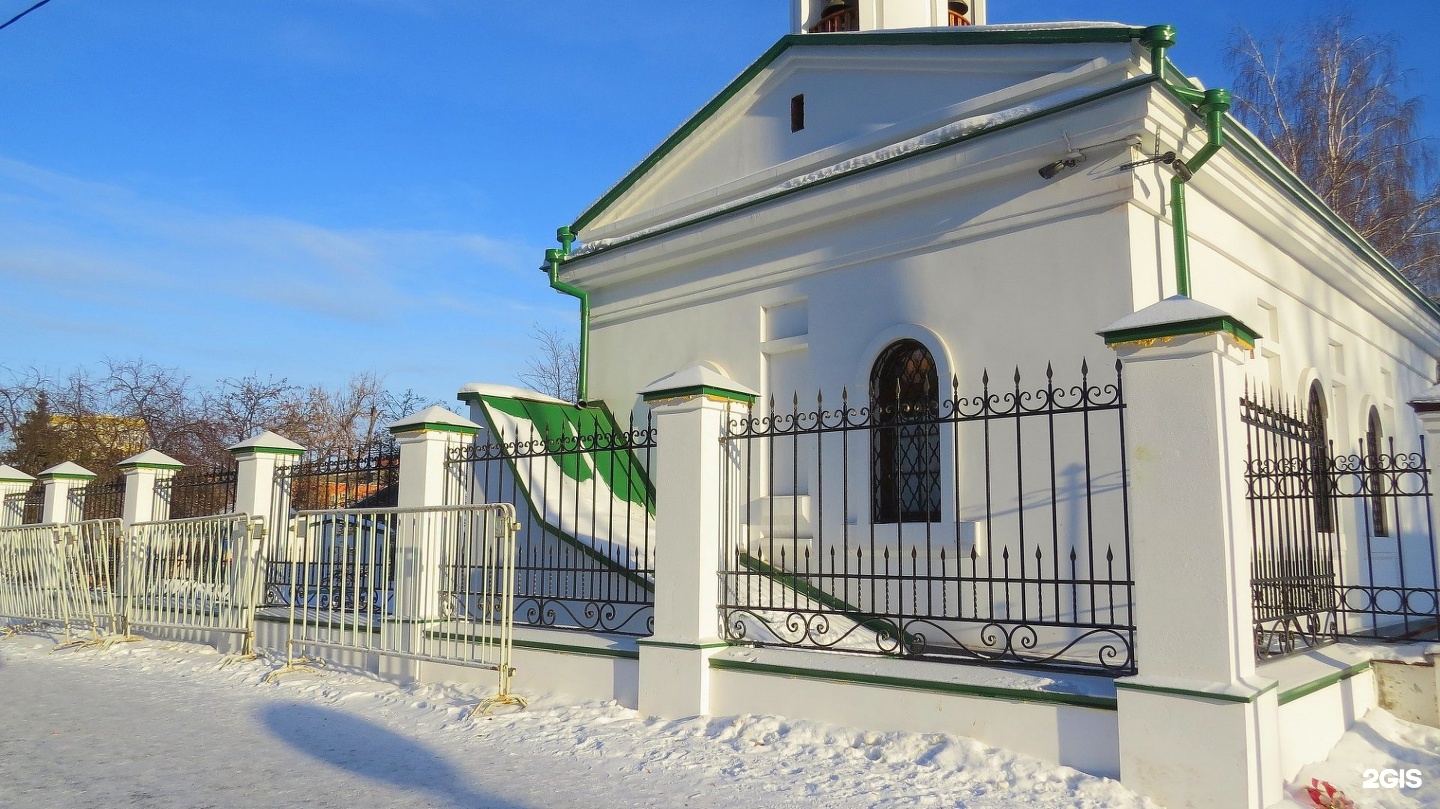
838	15
905	444
1375	477
1320	460
959	12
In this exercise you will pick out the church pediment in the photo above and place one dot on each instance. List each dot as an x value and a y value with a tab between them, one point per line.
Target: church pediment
815	101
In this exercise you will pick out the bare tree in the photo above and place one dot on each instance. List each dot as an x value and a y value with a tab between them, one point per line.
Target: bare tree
98	415
240	408
555	367
19	395
1330	104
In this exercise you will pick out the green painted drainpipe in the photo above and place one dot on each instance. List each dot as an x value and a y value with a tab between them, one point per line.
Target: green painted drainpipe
553	258
1212	104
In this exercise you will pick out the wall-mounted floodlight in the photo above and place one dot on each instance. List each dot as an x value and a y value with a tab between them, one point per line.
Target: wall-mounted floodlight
1069	161
1170	159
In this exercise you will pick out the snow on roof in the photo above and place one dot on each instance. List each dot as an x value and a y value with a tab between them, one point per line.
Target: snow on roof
507	392
951	131
745	76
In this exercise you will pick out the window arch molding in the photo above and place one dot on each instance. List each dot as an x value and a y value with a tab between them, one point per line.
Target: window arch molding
1317	410
1309	379
859	389
944	366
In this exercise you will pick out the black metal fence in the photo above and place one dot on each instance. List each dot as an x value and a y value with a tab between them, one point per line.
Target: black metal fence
29	504
585	551
987	529
1343	545
369	479
200	491
100	499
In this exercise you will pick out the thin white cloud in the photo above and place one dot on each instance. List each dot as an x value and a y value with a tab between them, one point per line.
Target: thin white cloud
90	269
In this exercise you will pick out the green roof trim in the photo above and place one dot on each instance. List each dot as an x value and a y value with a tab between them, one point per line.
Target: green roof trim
1292	694
267	451
1161	331
933	686
434	427
956	36
701	390
1212	696
143	465
62	476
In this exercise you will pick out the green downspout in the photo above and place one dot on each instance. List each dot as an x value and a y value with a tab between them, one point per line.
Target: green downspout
553	259
1212	104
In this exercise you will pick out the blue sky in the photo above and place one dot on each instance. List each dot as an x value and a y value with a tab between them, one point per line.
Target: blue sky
314	188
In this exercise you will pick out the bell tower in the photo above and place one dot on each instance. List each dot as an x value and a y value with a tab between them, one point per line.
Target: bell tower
835	16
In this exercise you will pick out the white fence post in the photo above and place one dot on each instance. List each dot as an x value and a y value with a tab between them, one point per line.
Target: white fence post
142	473
690	408
1198	726
12	482
256	461
425	438
60	481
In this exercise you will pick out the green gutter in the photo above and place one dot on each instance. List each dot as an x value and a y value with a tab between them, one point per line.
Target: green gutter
553	258
1212	105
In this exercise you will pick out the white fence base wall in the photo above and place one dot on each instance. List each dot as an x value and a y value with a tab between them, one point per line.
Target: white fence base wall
226	643
1321	694
1411	691
1063	720
579	664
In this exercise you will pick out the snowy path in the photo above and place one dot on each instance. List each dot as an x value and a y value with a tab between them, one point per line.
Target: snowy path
158	725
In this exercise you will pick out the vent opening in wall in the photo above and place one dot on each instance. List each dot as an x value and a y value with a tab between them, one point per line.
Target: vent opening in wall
797	113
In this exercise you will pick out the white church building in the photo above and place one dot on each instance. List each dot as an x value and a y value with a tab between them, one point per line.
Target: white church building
916	214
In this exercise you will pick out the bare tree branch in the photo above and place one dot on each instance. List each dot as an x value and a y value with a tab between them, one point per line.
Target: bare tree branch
1332	108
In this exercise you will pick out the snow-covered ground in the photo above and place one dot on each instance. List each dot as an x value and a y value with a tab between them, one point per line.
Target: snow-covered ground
158	724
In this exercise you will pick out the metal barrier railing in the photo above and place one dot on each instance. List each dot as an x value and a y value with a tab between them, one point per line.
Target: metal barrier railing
30	579
200	573
62	576
426	584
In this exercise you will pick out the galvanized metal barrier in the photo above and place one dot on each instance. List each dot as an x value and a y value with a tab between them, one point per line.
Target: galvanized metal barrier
201	573
425	584
63	577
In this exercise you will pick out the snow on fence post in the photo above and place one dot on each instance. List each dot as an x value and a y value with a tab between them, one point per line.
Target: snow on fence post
142	473
60	482
425	438
690	409
1198	727
13	485
257	460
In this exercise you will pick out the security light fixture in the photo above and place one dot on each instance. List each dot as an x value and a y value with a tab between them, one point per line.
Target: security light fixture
1170	159
1069	161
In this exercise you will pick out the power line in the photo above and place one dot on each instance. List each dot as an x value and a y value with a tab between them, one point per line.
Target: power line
8	22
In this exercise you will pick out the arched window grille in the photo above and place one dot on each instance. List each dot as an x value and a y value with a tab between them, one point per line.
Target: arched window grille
959	13
1320	461
905	444
1375	477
